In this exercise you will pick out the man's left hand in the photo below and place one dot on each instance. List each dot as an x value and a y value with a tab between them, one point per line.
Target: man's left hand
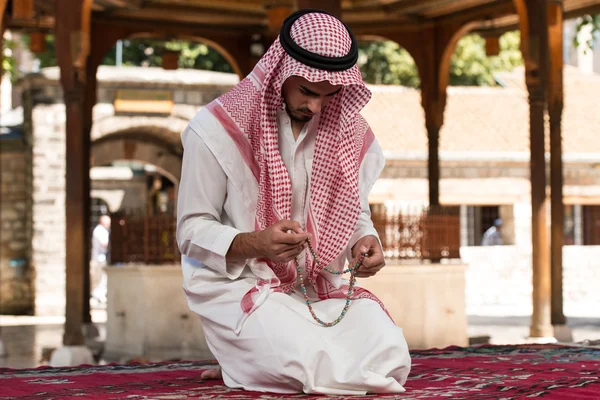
374	260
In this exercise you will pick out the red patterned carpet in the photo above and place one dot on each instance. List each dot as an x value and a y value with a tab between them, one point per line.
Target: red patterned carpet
487	372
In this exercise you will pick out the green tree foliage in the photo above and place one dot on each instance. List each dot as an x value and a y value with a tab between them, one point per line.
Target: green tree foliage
148	53
471	67
387	63
593	21
8	61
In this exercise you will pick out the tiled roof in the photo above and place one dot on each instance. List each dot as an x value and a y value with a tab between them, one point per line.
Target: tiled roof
485	119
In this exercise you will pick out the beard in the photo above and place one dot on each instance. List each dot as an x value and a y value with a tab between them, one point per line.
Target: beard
297	117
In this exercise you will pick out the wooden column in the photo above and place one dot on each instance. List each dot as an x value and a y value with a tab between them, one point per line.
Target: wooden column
72	49
555	108
101	40
331	6
535	48
89	100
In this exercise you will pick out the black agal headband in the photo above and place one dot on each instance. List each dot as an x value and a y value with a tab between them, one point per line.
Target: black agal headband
312	59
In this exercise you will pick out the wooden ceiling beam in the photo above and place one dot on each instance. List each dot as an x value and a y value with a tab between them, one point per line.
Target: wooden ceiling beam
113	3
449	7
45	5
496	9
188	15
253	7
42	23
573	12
413	6
174	28
395	23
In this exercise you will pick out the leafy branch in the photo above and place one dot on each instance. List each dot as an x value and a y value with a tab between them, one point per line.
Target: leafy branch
592	21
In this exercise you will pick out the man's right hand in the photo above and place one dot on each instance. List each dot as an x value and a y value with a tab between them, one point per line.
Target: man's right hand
283	241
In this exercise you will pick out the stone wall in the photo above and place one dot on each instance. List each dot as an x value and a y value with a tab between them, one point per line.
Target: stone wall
16	274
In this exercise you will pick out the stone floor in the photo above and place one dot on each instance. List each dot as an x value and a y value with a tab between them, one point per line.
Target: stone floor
25	338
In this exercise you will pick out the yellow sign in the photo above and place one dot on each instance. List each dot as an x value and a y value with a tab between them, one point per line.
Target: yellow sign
143	101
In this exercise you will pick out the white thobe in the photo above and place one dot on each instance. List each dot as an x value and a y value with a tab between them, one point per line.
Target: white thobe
279	347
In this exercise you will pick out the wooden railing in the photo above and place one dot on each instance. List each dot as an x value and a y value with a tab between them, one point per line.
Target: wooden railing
418	233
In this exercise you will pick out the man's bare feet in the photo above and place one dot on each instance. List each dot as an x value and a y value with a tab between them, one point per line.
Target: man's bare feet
212	374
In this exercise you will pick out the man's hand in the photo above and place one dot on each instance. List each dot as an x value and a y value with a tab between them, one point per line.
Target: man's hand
374	260
281	242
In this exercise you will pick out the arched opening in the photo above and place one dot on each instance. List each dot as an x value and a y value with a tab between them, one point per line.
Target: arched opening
138	145
385	62
142	168
472	65
145	49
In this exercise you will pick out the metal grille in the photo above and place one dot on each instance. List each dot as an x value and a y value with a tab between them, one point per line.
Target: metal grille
143	239
429	233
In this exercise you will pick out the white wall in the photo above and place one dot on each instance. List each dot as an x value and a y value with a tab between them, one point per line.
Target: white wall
499	281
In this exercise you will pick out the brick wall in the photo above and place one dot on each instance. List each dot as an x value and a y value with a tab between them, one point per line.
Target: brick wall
48	241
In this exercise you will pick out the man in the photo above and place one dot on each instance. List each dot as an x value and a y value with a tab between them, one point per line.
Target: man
493	236
273	201
100	241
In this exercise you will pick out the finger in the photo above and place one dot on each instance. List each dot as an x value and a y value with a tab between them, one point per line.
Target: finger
290	238
362	249
287	225
370	270
291	254
365	274
280	248
373	262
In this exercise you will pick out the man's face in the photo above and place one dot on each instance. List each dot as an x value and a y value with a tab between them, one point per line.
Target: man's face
105	221
304	99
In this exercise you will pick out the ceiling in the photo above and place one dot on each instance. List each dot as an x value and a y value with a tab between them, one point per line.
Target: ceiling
363	16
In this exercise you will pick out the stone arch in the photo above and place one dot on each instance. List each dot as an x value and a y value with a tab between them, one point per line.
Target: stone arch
139	145
167	128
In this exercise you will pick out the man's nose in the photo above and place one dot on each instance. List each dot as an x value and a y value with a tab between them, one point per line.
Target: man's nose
314	105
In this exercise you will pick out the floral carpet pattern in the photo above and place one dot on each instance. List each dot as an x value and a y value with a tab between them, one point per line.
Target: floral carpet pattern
484	372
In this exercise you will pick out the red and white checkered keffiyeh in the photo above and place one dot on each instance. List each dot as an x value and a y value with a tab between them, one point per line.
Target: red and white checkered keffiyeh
249	114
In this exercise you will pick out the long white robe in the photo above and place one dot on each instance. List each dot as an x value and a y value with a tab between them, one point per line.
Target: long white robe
279	347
